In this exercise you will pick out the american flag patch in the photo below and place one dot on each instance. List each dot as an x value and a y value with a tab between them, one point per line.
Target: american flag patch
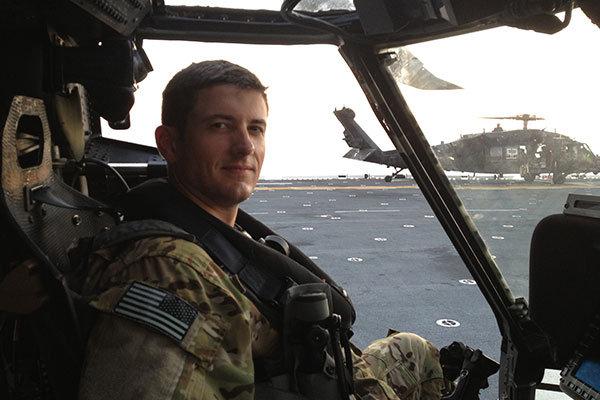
158	309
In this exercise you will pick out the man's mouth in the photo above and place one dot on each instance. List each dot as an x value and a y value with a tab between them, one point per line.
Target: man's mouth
238	168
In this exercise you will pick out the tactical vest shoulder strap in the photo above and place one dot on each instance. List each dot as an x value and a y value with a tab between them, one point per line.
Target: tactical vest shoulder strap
265	289
136	230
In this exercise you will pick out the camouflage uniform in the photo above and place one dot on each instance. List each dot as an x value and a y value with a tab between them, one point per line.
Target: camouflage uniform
214	359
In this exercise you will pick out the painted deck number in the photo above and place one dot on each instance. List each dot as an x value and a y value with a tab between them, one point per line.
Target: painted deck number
447	323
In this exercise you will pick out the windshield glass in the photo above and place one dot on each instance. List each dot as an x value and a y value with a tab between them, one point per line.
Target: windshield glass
379	239
273	5
519	136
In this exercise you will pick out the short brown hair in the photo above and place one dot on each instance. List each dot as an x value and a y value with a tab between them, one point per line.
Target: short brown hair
180	93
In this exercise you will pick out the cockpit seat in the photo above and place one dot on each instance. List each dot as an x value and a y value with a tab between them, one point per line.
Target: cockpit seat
47	218
564	275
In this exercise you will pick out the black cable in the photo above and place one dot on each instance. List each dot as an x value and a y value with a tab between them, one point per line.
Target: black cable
111	168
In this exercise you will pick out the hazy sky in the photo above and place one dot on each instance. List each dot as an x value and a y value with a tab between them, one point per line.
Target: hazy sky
503	72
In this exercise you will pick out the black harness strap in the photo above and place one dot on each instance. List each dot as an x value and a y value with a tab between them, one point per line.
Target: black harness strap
267	288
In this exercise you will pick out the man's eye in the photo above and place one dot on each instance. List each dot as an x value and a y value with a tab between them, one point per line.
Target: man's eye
219	125
257	129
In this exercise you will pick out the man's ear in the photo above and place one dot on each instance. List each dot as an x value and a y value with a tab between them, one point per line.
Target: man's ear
166	142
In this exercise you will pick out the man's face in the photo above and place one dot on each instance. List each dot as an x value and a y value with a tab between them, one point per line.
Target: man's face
219	156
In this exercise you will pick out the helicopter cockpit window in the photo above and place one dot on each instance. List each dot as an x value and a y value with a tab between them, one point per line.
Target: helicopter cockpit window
514	132
273	5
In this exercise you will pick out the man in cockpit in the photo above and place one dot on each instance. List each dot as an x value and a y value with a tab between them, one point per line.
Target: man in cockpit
177	319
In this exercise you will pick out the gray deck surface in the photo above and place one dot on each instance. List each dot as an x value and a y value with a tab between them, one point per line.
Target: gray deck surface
382	243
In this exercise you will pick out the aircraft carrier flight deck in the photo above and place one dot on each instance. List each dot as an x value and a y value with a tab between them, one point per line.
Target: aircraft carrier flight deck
383	244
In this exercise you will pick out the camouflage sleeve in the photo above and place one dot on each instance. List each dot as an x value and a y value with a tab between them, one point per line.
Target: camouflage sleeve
400	366
211	359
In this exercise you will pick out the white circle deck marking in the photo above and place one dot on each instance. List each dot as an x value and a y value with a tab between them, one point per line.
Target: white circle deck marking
308	228
498	237
468	282
280	212
408	226
380	239
355	259
447	323
336	217
508	226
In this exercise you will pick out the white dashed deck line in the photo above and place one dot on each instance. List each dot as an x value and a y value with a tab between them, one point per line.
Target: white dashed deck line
468	282
308	228
493	209
429	216
355	259
380	239
498	237
364	211
281	212
508	226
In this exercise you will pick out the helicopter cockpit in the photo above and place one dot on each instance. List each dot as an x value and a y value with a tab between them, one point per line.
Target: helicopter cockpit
80	97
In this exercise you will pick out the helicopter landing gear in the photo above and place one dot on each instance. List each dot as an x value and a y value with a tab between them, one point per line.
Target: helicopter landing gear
558	178
529	177
392	176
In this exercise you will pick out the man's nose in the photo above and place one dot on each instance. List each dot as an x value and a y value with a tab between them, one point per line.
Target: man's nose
243	143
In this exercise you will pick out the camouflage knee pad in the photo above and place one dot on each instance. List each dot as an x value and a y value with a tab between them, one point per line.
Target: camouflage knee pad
407	363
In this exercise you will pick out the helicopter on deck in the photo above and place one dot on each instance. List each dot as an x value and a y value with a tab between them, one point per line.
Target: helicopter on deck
527	152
